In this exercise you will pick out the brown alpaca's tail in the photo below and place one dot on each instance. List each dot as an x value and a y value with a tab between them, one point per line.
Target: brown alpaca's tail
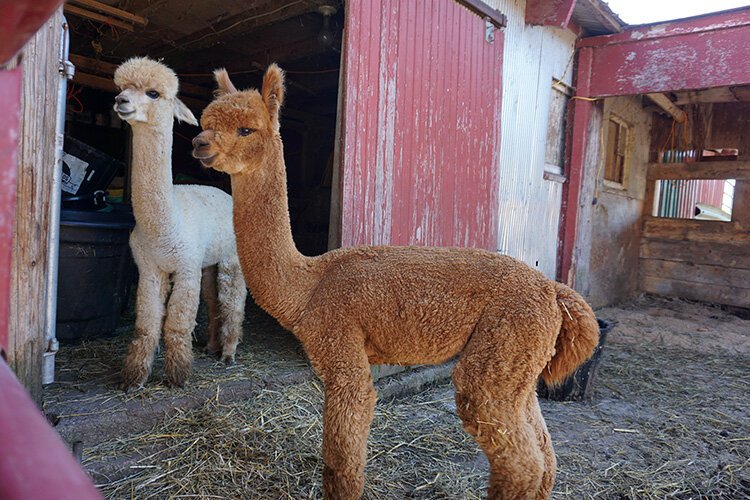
578	337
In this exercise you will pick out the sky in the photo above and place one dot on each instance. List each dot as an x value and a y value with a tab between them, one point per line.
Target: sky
650	11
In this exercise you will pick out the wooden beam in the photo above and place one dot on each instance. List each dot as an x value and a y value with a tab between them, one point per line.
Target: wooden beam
87	14
721	275
709	253
699	170
650	59
112	11
91	66
667	105
695	230
703	292
240	23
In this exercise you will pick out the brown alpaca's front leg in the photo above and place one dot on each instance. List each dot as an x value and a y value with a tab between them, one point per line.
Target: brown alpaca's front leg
178	327
347	413
153	286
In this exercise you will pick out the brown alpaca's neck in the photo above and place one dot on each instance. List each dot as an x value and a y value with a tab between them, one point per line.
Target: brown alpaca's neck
279	277
153	192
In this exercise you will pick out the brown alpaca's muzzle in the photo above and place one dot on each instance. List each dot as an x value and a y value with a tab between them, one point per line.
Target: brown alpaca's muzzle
202	148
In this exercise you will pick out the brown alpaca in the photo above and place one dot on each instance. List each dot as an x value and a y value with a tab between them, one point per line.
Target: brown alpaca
403	305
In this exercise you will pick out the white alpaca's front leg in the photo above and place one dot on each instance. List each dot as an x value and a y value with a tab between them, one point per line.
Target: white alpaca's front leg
179	325
153	286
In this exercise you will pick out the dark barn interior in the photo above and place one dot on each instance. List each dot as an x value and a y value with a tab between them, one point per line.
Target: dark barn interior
195	37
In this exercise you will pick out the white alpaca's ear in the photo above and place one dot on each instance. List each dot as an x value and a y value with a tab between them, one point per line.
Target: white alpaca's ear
273	91
183	113
225	85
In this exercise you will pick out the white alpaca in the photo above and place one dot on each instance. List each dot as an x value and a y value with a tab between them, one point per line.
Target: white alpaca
182	234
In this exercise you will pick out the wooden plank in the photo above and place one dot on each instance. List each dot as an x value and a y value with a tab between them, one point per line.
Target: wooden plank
33	189
696	291
87	14
695	230
696	273
700	170
717	254
113	11
741	204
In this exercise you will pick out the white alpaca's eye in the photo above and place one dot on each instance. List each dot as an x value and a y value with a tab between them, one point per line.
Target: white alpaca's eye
244	132
153	94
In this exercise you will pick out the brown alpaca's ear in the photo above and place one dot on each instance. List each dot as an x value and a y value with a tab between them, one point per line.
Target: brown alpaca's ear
225	85
183	113
273	91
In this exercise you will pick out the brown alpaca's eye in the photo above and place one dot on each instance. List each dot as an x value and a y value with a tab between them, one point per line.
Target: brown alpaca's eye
153	94
244	132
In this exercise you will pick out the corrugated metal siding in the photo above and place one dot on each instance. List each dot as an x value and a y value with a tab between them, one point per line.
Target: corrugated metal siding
421	125
529	205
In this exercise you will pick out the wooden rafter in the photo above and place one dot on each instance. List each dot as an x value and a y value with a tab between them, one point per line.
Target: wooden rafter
111	11
259	15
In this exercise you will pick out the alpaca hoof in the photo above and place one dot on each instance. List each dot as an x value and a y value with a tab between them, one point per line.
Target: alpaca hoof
211	350
133	379
176	375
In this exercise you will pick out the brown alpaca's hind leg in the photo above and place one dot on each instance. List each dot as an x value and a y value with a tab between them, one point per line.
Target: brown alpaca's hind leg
494	380
347	413
232	296
210	294
153	287
534	415
178	327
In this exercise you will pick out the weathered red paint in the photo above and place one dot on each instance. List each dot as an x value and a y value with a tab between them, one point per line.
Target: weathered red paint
578	132
555	13
695	53
34	462
10	108
19	21
421	125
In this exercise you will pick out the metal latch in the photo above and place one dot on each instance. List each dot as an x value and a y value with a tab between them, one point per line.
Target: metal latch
67	69
489	30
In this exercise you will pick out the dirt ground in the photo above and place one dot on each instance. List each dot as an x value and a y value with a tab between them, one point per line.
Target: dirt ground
668	418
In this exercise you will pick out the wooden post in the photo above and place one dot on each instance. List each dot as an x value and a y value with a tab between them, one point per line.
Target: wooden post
36	159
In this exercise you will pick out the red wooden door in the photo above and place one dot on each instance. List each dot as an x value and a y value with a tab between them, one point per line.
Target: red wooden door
421	125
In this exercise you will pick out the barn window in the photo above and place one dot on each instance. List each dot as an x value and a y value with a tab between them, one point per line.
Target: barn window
615	166
554	155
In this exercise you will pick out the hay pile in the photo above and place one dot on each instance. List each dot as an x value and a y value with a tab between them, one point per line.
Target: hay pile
270	448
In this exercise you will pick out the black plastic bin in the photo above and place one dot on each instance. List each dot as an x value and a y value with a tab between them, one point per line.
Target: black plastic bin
100	170
95	271
577	387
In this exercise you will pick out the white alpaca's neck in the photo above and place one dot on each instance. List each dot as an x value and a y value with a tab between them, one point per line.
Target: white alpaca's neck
153	192
279	277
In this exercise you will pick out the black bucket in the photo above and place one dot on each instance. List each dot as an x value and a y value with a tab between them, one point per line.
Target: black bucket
95	271
577	386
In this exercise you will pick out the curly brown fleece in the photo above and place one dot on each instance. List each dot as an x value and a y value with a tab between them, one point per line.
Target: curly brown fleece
405	305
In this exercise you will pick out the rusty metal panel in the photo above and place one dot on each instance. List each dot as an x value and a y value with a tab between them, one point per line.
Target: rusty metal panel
422	101
529	204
